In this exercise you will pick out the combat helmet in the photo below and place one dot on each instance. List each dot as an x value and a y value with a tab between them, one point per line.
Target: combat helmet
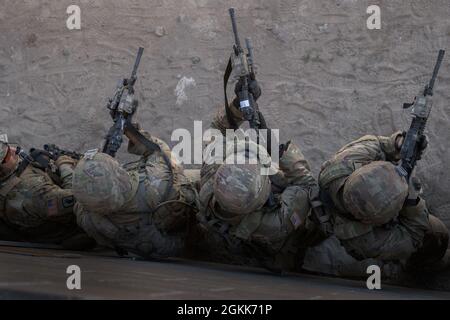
375	193
240	185
101	185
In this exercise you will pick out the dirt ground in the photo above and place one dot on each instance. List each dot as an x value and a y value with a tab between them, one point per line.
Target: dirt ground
326	78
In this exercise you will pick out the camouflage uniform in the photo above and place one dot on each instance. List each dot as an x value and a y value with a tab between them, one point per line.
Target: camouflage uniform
272	234
391	234
34	208
139	207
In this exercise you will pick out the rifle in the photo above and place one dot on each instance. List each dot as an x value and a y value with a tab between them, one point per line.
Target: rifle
421	109
26	160
55	152
41	159
243	63
122	106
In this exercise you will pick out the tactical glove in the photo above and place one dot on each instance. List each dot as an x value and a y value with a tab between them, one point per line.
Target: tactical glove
414	190
423	144
253	88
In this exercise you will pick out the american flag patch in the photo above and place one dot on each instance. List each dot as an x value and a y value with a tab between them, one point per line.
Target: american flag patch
52	207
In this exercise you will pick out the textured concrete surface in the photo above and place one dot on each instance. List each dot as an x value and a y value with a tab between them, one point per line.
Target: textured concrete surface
326	78
41	274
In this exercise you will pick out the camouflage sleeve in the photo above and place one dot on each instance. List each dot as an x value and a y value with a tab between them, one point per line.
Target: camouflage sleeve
46	199
415	220
66	166
271	229
389	147
220	121
294	203
295	168
276	225
357	154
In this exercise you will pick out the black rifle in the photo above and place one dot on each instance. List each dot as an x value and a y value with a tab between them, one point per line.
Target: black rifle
55	152
411	148
26	160
122	107
41	159
243	62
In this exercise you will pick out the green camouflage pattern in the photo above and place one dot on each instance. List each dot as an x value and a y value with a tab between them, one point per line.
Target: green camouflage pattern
375	193
3	151
357	154
242	188
267	233
101	185
140	219
37	208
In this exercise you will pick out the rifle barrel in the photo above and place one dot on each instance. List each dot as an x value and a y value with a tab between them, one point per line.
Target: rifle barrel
436	70
136	63
248	44
234	26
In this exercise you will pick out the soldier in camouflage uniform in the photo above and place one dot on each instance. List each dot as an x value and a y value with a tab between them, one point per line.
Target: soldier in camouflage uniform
33	207
379	218
238	222
143	207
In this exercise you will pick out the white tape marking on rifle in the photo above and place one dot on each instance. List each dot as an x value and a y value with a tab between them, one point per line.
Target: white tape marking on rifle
245	104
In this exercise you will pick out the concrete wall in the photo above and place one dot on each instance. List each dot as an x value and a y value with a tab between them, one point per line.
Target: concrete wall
326	78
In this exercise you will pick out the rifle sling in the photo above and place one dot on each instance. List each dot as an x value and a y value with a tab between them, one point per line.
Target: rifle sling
230	118
226	77
22	166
